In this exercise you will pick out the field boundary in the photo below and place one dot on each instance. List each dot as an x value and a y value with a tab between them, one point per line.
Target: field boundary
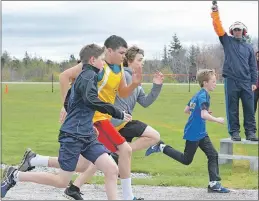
176	84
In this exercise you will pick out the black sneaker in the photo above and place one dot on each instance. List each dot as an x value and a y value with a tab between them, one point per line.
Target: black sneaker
25	164
73	193
251	137
8	180
235	137
70	183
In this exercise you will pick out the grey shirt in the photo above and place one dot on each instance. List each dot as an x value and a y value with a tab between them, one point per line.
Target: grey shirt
138	95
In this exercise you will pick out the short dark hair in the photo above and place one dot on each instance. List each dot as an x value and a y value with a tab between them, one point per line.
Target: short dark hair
115	42
89	51
131	54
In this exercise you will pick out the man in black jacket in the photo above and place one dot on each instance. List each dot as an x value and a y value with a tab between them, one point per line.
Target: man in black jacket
240	76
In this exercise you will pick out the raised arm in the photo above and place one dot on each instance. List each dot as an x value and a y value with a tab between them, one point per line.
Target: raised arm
146	100
65	77
125	91
218	28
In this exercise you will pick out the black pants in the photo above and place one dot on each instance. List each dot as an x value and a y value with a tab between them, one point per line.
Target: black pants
235	90
256	98
189	152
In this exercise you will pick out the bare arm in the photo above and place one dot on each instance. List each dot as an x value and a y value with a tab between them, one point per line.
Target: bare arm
205	115
125	91
66	76
218	28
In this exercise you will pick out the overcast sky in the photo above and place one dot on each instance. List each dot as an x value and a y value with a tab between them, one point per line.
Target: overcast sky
54	30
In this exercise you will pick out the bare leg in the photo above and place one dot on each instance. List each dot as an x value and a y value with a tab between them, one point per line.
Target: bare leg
60	180
110	170
124	153
148	138
85	176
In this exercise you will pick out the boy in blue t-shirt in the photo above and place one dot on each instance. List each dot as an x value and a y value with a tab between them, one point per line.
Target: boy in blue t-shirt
195	132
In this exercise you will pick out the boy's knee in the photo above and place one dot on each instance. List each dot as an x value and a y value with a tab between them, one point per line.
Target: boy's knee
156	136
125	149
111	170
83	164
81	169
152	134
187	162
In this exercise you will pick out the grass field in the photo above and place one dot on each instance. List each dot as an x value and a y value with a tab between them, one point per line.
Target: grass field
30	116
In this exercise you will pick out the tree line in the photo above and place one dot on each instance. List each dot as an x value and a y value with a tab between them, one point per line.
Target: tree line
176	59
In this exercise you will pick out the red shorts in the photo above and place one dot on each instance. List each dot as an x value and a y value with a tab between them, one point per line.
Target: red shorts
108	135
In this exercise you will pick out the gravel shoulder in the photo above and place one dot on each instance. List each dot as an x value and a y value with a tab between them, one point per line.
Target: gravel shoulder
29	191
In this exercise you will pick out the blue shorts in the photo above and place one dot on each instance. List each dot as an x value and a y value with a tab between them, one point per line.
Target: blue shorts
71	146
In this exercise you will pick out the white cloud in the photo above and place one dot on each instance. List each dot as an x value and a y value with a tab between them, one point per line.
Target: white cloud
56	29
30	6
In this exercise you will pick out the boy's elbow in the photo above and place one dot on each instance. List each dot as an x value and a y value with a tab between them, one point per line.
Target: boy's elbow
203	115
145	105
60	76
63	76
187	110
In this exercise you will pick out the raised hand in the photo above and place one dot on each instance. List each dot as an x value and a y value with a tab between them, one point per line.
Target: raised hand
137	75
214	7
158	78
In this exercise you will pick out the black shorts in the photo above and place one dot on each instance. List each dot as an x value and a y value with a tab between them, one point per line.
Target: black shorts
133	129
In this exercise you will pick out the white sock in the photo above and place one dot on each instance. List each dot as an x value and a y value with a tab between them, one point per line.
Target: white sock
16	176
127	189
212	183
39	160
162	146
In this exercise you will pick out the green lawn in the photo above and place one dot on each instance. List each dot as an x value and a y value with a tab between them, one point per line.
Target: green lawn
30	115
